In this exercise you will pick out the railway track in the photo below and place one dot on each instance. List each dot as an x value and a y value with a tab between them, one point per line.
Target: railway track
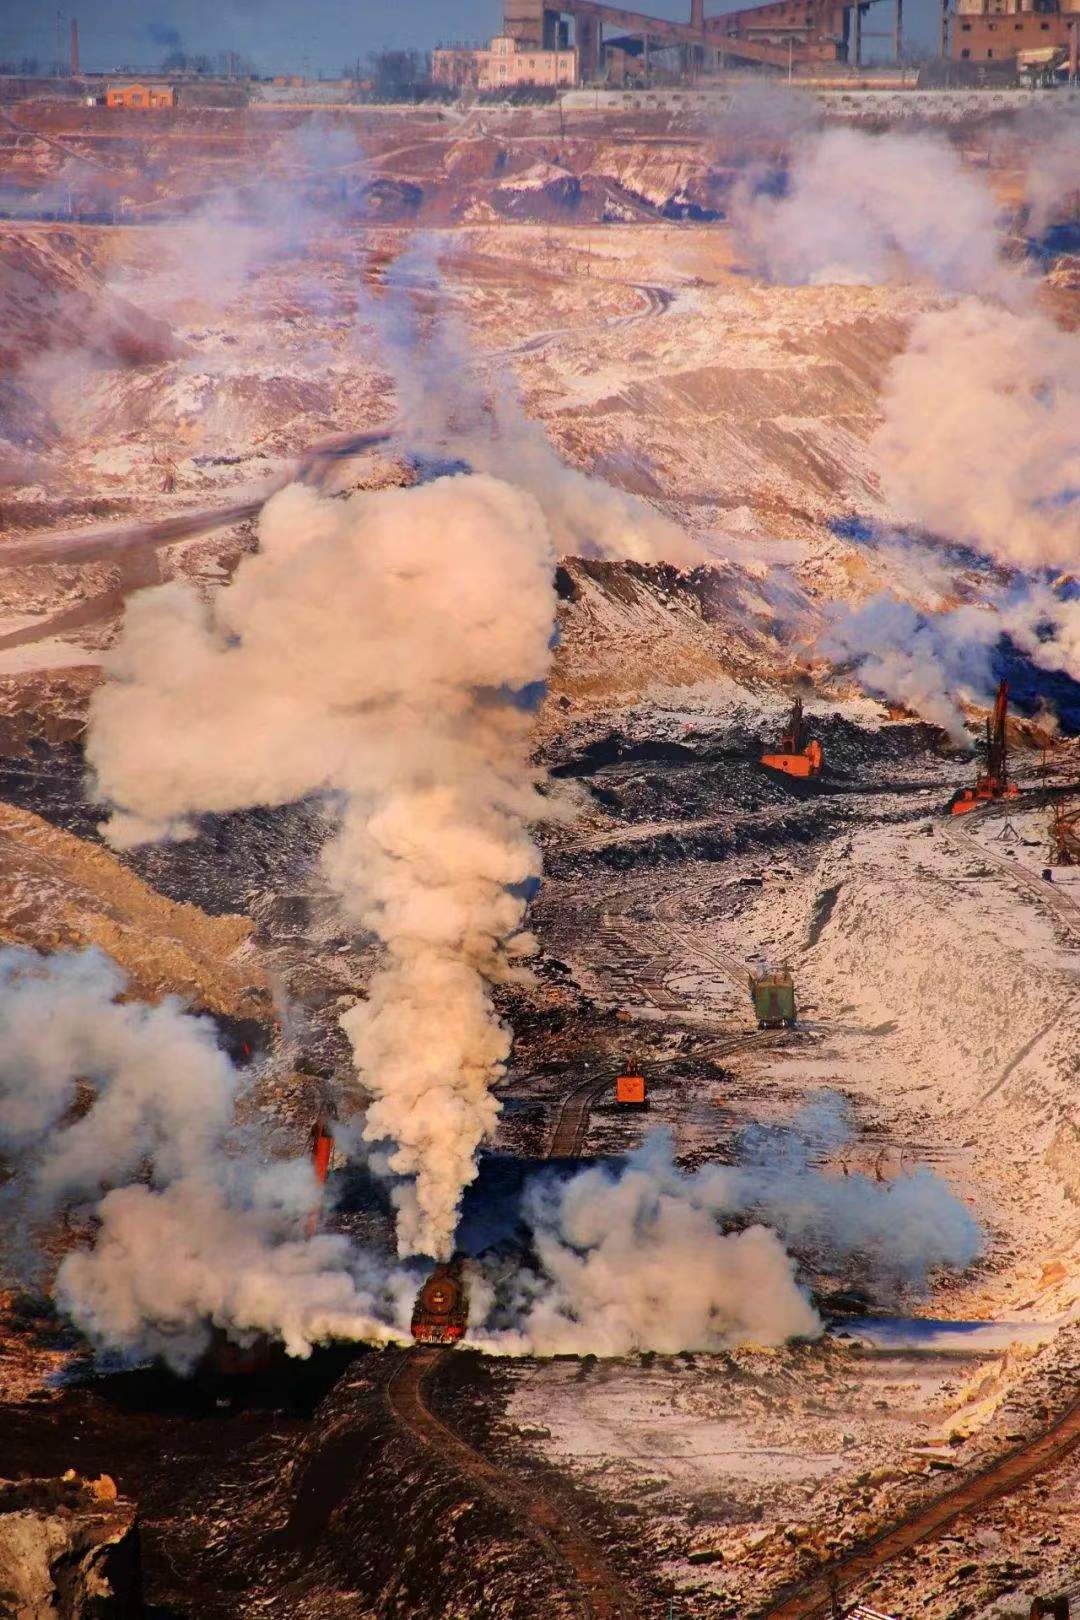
1053	1445
572	1120
1064	907
598	1593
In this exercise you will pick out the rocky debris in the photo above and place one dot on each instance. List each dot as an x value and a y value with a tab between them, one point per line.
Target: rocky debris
44	707
69	1549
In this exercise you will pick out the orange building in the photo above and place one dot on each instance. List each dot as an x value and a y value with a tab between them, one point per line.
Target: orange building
140	95
996	30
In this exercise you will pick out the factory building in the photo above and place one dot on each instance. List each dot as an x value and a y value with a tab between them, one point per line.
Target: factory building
140	95
505	64
999	30
784	34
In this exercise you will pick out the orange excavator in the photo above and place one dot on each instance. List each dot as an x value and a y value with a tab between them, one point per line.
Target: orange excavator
321	1152
993	783
796	755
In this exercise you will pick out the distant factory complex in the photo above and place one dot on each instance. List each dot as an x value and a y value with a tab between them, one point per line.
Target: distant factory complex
585	41
547	49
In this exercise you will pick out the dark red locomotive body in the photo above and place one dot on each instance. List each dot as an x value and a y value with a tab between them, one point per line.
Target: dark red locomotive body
441	1312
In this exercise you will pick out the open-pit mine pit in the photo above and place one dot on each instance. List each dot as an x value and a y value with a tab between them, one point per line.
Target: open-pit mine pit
416	527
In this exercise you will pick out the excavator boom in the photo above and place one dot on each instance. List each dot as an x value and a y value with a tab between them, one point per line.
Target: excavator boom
993	783
795	756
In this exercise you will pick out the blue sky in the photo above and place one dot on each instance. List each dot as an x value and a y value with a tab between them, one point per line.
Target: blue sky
280	34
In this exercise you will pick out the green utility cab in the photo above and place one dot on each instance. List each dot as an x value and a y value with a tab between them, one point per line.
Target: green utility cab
773	995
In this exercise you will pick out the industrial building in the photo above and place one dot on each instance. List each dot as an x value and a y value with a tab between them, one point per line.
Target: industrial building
507	63
1000	30
784	34
140	95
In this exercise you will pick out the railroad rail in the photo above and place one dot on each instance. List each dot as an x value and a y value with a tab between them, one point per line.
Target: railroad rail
572	1120
600	1595
1063	905
814	1597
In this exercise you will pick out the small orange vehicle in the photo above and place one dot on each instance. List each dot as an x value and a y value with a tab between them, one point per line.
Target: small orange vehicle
796	756
630	1091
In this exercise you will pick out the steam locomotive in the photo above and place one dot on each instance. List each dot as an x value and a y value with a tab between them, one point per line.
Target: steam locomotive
441	1312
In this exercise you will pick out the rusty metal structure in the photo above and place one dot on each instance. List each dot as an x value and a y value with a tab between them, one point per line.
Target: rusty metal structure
782	34
1065	835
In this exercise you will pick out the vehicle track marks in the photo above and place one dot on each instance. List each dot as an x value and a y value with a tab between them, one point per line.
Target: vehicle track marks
599	1594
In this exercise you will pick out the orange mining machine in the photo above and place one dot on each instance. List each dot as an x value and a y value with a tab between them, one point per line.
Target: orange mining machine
993	783
321	1153
796	755
630	1090
441	1312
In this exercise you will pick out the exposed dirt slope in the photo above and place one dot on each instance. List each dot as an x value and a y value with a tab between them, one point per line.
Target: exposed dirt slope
57	891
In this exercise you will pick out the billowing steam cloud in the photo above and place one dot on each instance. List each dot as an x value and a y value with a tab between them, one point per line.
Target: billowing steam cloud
1052	183
931	662
981	437
637	1256
634	1259
869	208
923	662
385	650
375	649
210	1234
128	1110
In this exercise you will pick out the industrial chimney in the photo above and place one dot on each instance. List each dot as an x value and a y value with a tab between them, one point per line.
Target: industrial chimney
74	47
697	14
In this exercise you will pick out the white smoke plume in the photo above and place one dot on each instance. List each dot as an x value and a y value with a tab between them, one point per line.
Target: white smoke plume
483	422
862	208
194	1229
374	649
129	1110
1052	182
981	435
932	662
635	1259
642	1256
384	650
924	662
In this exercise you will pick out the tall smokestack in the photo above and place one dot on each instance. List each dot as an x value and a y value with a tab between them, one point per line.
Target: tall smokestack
697	13
74	47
